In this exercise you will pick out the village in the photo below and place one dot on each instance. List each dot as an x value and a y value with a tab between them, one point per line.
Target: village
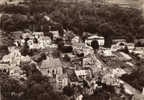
85	65
74	67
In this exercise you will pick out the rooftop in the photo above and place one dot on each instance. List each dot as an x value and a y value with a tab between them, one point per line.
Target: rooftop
51	62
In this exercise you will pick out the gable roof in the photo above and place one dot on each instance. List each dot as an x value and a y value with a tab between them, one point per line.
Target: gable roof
51	63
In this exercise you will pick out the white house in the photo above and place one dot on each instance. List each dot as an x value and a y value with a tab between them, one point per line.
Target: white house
83	74
100	40
106	53
4	66
38	34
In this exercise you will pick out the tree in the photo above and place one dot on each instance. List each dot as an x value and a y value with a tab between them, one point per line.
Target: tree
39	57
95	44
107	31
3	50
84	36
136	78
68	91
25	49
35	90
9	87
138	44
126	50
44	96
99	95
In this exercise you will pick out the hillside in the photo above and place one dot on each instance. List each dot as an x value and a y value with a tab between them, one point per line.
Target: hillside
110	19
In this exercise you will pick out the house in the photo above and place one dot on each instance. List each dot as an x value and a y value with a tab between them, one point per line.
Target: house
138	97
51	67
110	79
118	46
88	62
38	34
130	46
76	39
25	59
80	97
61	81
138	50
93	63
141	56
83	74
119	72
4	67
55	34
42	41
13	57
107	53
14	72
123	56
118	40
100	40
141	40
68	36
88	51
27	35
17	73
79	46
17	35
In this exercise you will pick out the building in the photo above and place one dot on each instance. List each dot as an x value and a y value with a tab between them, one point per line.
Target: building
88	51
118	40
83	74
140	40
37	40
55	34
17	73
138	50
106	53
80	97
51	67
38	34
138	97
61	81
76	39
130	46
14	57
118	46
88	62
100	40
4	67
123	56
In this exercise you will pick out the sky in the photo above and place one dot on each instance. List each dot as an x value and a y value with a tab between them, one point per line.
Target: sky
3	1
136	3
133	3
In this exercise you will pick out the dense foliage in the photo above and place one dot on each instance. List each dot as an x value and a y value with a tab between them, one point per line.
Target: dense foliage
106	20
36	87
136	78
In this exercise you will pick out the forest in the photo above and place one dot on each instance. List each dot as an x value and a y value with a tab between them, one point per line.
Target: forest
98	18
